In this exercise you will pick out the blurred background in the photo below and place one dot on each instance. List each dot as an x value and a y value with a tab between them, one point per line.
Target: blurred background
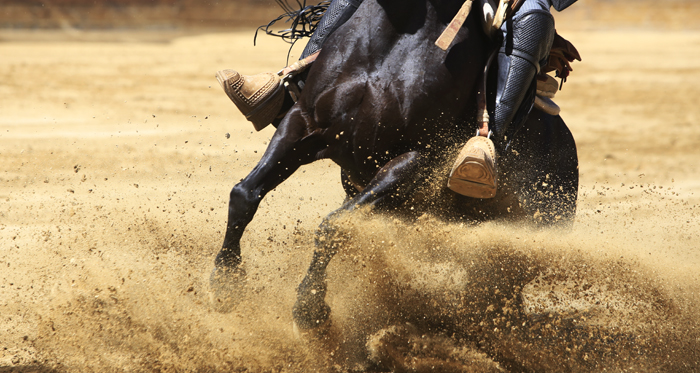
233	14
146	14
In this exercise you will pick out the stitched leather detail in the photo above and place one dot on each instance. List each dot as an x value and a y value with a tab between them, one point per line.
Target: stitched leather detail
258	97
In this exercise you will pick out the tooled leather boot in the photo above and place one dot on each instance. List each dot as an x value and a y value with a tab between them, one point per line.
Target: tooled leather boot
474	173
259	97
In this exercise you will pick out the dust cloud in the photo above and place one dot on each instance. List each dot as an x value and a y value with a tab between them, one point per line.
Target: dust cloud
117	159
405	297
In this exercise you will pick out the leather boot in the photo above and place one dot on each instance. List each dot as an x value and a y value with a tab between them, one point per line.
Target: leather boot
474	173
258	97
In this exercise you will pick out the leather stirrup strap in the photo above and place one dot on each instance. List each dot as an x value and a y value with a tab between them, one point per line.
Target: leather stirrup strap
514	6
448	36
505	11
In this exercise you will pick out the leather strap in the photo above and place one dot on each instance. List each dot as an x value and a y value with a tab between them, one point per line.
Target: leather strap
448	36
514	6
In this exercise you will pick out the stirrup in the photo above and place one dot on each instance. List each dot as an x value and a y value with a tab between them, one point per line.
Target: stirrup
488	135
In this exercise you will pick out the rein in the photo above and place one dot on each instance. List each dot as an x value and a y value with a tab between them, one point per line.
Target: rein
303	22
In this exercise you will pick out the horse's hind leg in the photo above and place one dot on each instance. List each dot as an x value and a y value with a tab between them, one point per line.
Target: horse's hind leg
391	186
287	151
545	170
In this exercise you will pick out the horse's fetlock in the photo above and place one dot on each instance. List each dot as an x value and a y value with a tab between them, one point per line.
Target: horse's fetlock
228	258
310	313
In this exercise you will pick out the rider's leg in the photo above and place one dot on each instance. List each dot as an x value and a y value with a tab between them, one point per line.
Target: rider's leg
528	38
519	61
260	97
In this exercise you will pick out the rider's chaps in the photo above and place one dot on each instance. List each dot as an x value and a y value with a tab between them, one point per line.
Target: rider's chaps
528	39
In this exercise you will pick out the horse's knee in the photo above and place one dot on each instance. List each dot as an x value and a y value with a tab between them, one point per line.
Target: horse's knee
243	199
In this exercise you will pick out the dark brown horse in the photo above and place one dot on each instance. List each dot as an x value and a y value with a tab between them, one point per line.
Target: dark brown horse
391	109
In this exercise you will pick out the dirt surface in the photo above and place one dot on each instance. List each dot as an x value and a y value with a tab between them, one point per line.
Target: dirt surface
144	14
118	151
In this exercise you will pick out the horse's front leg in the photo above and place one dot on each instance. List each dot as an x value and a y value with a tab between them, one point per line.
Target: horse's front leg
392	185
288	150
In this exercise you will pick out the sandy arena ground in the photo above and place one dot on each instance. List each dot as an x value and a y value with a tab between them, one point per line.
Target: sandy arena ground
118	153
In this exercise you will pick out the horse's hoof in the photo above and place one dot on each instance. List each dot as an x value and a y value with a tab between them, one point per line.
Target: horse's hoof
310	314
320	332
227	286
